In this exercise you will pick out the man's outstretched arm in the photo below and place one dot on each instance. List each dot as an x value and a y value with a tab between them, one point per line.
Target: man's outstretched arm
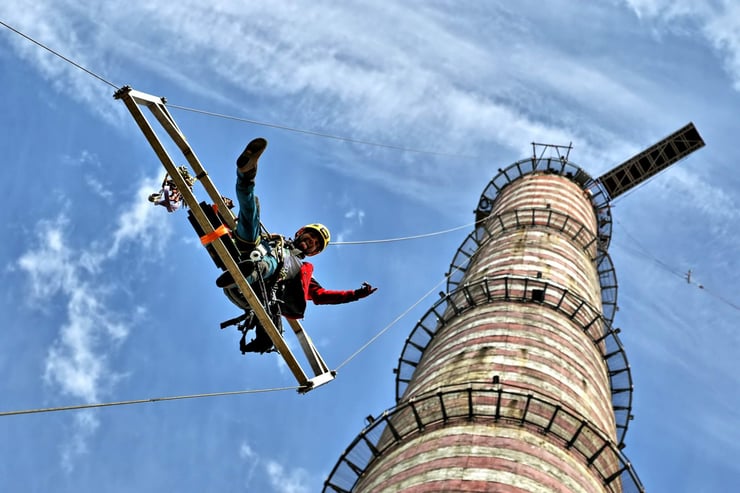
321	296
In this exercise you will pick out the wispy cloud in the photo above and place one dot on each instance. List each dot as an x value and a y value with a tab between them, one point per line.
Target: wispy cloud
712	201
353	219
357	214
445	92
96	187
281	478
85	424
718	22
287	481
141	223
48	23
75	279
251	458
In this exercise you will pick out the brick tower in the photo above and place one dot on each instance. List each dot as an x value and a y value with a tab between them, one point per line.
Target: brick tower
515	380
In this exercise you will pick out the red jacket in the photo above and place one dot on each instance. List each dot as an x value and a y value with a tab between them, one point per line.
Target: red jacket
294	305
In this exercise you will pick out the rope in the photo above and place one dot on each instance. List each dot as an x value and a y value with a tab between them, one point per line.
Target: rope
643	251
60	55
318	134
264	124
426	235
387	327
395	320
246	120
140	401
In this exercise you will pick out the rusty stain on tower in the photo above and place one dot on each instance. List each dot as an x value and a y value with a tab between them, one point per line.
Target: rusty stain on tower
515	380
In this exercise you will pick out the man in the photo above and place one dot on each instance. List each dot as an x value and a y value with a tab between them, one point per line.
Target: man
277	259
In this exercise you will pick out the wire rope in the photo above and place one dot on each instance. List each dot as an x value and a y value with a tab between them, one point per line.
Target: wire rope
396	320
404	238
318	134
56	53
387	327
140	401
245	120
219	394
641	250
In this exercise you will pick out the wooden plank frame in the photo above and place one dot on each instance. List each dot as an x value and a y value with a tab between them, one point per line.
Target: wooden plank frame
133	100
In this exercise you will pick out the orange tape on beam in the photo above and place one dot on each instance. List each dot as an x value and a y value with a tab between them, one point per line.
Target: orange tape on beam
210	237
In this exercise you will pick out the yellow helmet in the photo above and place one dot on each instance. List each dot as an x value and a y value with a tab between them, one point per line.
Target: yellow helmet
321	230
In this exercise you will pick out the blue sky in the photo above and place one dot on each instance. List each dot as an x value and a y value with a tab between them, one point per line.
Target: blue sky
110	299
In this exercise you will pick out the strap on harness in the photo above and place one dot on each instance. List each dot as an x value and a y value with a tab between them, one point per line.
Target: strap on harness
217	233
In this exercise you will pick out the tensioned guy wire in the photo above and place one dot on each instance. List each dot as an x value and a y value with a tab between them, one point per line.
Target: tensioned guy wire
291	129
59	55
140	401
246	120
641	250
404	238
387	327
320	134
395	320
218	394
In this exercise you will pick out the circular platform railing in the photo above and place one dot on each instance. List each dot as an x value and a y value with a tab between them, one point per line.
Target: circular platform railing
534	291
538	218
551	165
484	403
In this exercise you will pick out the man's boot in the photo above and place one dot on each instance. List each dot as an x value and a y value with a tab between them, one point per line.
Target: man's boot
246	163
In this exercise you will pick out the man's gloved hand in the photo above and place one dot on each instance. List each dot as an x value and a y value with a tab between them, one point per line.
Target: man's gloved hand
364	291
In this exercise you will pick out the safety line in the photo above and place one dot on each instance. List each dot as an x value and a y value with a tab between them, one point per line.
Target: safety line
59	55
389	240
644	252
247	120
141	401
394	321
319	134
265	124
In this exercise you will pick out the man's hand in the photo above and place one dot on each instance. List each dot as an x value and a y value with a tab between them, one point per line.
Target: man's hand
365	290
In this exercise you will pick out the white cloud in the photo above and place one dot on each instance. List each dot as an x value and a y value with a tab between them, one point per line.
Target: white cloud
96	186
723	30
76	362
246	452
665	8
50	266
718	22
712	201
71	285
445	92
85	423
48	23
142	223
282	479
250	457
287	481
357	214
353	217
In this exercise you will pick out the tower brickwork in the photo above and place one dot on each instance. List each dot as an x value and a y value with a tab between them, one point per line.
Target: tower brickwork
515	380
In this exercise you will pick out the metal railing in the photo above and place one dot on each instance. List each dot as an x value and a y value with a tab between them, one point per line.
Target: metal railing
563	224
551	165
531	291
484	403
